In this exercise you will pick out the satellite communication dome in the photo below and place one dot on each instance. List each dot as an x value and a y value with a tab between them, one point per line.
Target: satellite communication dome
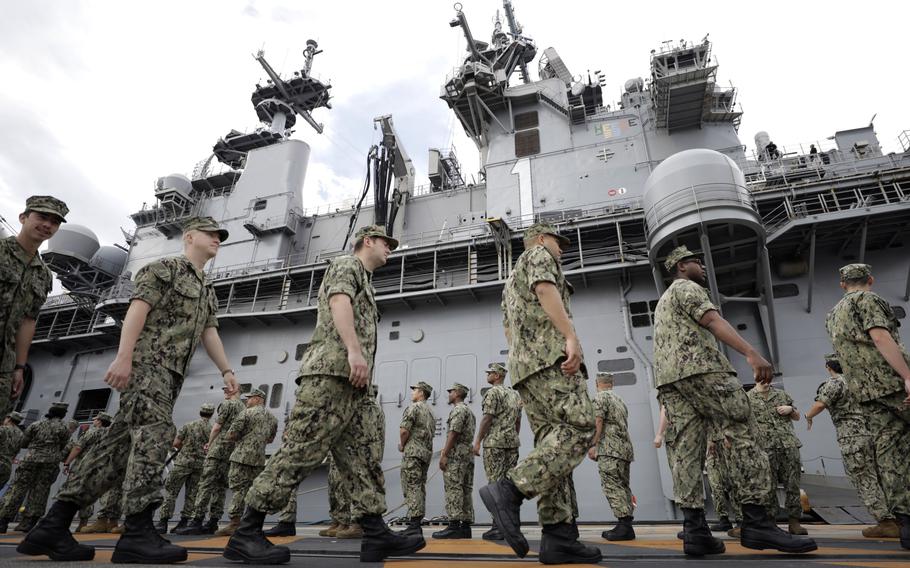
75	241
110	259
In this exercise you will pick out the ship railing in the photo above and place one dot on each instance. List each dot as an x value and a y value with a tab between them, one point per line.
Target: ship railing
904	140
350	203
696	197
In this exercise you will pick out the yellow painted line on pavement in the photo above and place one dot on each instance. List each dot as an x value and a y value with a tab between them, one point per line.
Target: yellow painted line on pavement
466	546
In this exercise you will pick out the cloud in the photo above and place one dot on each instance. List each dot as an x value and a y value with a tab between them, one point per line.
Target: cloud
38	35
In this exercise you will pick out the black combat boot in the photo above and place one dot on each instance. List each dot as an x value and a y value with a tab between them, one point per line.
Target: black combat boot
161	526
559	545
249	544
466	530
194	527
283	528
379	542
51	536
27	524
452	530
210	526
503	500
760	532
697	537
493	533
413	528
184	521
622	531
723	524
681	535
4	525
141	543
904	521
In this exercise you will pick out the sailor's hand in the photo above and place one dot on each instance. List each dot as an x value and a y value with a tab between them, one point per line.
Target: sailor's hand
784	409
476	448
762	370
400	448
360	371
658	441
573	357
443	462
230	381
18	381
808	422
118	374
592	453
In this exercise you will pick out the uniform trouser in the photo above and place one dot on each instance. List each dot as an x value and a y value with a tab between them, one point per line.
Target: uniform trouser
614	480
498	461
212	488
5	470
135	447
458	480
562	419
86	512
785	466
692	405
111	503
889	422
32	484
328	416
862	469
725	503
289	513
179	477
339	495
414	485
240	478
6	389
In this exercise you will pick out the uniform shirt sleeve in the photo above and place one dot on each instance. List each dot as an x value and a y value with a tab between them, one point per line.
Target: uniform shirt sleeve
184	433
828	394
492	402
600	410
239	425
340	278
788	400
225	412
541	267
212	320
407	419
459	420
694	300
152	282
874	312
38	299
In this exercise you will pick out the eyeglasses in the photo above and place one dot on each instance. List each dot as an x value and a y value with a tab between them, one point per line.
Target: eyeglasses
695	260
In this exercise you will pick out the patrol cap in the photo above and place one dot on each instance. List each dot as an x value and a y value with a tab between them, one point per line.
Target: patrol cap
62	405
255	392
207	408
855	271
425	387
604	377
47	204
104	416
72	423
206	224
497	368
459	387
375	231
538	229
677	254
831	358
15	416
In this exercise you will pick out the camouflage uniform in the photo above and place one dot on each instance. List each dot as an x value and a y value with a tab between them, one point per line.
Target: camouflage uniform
419	421
37	471
779	441
874	382
856	444
111	503
500	447
93	437
183	304
186	468
10	442
329	414
458	478
699	390
614	452
725	502
214	481
558	407
254	429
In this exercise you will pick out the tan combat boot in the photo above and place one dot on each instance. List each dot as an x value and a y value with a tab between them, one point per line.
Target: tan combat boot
331	530
796	528
101	525
115	528
82	524
350	531
886	528
229	530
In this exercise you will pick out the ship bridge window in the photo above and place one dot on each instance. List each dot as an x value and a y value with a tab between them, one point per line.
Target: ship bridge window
615	365
249	360
393	335
90	403
260	204
899	312
623	379
785	290
642	313
526	120
265	389
277	391
527	143
245	388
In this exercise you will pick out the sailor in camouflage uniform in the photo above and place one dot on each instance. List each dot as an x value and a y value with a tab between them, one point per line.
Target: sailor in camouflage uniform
76	448
329	413
722	491
37	471
547	366
498	431
457	464
612	449
186	468
856	447
173	309
213	483
700	391
775	413
10	442
416	431
252	431
864	332
24	284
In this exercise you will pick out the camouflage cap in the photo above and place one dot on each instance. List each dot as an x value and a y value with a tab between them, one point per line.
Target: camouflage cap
255	392
604	377
831	358
375	231
425	387
73	424
459	387
207	408
104	416
206	224
63	405
677	254
538	229
47	204
497	368
15	416
855	271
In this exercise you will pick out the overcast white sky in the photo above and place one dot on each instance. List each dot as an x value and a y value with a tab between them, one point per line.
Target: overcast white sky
100	98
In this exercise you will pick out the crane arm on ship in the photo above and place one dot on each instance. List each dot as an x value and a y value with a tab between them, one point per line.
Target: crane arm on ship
402	169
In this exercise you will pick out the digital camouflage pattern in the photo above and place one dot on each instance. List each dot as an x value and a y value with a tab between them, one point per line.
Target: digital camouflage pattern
614	440
561	416
47	204
504	405
93	437
254	429
497	462
32	484
45	440
682	347
25	282
462	421
375	231
339	495
289	513
458	478
326	354
222	446
183	304
240	478
181	476
207	224
785	467
212	488
419	421
676	255
111	503
194	436
725	503
776	431
535	344
615	482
